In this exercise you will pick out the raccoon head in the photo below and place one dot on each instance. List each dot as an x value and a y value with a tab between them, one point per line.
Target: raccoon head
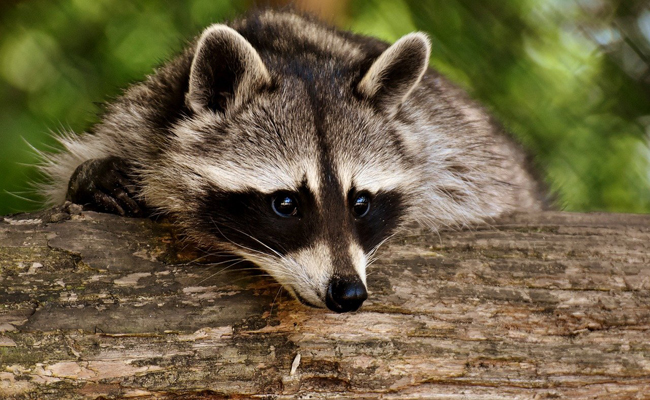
290	160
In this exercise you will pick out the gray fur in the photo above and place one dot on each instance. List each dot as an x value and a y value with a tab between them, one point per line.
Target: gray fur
308	96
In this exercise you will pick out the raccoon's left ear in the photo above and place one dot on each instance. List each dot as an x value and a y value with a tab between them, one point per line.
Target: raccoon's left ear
396	72
226	70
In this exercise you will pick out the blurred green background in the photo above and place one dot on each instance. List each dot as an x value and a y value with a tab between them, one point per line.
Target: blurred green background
569	78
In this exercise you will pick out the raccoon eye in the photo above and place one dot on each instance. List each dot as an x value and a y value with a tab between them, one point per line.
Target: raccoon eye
361	205
285	205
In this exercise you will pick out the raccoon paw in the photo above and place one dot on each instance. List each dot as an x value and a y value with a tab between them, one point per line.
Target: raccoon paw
102	185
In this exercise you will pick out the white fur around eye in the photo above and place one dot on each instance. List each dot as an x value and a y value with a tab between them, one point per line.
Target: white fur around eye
374	176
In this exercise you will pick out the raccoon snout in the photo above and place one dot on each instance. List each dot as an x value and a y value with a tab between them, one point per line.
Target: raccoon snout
345	294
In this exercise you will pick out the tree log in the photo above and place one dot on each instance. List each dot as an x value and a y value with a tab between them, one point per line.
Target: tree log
549	305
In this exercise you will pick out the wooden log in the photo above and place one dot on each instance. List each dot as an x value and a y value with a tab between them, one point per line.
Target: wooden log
543	306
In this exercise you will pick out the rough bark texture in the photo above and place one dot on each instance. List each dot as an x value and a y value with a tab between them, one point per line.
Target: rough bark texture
551	305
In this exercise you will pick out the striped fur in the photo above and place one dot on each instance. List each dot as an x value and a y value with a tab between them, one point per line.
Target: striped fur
277	101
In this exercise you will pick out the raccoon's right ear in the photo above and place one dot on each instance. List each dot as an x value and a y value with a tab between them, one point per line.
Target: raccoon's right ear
226	71
396	72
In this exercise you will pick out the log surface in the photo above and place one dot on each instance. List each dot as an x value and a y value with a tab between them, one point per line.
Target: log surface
533	306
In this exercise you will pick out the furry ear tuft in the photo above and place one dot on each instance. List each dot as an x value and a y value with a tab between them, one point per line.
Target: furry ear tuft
396	72
226	71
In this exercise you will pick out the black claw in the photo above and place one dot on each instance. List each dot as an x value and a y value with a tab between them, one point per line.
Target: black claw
102	185
127	203
105	203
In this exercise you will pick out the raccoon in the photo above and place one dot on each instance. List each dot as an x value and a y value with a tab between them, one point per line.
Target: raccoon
298	147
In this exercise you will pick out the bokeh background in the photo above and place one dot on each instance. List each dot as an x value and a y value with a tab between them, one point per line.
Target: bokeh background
569	78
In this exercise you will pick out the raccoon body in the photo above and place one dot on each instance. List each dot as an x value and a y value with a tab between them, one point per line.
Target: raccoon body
298	147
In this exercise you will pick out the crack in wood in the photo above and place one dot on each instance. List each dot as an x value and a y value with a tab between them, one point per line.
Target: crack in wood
549	305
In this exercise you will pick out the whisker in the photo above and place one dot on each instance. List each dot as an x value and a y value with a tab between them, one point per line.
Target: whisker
234	243
260	242
273	303
220	271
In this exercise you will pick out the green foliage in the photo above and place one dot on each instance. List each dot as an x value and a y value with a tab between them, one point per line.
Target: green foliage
556	73
59	59
538	67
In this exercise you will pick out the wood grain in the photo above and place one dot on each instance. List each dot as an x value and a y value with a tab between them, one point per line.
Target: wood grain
533	306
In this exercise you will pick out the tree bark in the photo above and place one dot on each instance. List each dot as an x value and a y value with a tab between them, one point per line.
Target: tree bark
543	306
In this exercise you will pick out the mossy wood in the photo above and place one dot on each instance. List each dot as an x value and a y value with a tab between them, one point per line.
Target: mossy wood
548	305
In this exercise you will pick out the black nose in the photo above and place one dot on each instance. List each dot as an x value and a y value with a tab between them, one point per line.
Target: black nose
345	294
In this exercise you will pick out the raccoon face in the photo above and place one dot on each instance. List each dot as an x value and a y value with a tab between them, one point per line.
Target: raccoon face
291	167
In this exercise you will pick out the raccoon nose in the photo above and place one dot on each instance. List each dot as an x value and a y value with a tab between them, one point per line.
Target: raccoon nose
345	294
